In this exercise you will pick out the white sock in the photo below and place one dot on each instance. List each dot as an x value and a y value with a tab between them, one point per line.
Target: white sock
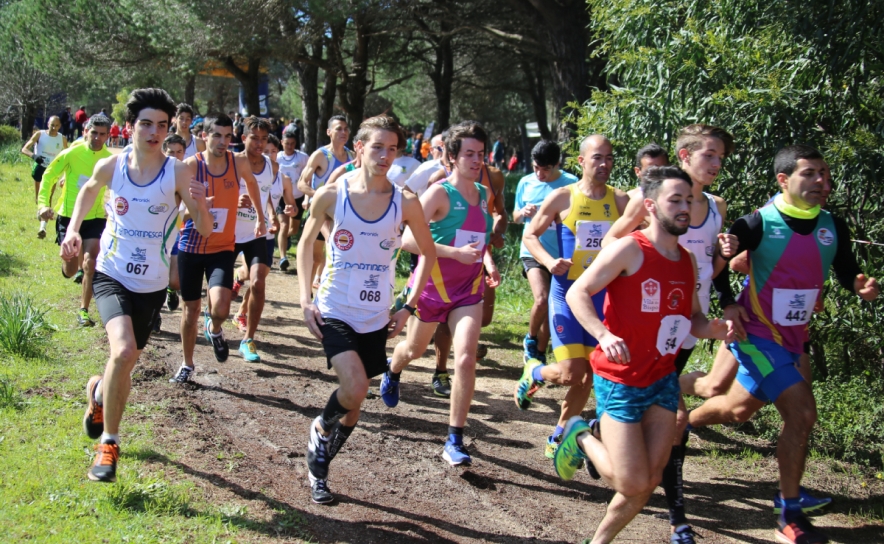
220	333
108	438
42	225
97	396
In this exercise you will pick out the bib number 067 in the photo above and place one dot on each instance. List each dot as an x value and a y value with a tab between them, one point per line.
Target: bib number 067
137	269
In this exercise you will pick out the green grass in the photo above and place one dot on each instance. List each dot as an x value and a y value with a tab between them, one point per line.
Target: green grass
44	494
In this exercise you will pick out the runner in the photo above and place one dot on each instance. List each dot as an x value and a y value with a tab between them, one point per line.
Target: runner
319	167
581	213
132	272
458	213
419	181
76	164
183	119
792	244
212	256
700	149
47	145
649	281
291	164
351	311
402	169
173	146
530	193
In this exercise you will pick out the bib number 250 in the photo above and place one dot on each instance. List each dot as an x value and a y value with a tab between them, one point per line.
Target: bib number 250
137	269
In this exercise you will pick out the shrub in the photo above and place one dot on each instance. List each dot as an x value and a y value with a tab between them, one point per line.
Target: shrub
9	135
23	326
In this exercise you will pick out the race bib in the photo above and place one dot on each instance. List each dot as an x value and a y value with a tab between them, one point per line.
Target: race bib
220	219
587	245
369	290
673	330
466	237
138	265
82	181
793	307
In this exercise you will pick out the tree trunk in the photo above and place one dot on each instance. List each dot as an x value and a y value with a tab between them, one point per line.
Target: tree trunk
28	117
249	78
533	70
443	77
190	90
326	107
354	78
308	79
818	358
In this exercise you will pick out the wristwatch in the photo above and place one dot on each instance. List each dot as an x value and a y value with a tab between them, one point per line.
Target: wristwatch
410	309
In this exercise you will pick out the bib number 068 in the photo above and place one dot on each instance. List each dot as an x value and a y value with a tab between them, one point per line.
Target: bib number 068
137	269
370	296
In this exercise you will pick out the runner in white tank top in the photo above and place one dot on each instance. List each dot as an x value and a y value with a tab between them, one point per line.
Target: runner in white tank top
351	312
48	146
701	241
183	119
291	162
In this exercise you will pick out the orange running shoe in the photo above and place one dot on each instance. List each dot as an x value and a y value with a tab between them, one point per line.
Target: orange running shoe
241	321
104	469
93	421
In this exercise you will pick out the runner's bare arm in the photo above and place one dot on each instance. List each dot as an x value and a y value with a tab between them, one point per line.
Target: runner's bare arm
337	173
550	212
701	326
725	248
498	230
26	149
630	219
436	206
623	257
621	200
321	208
314	166
245	170
288	195
101	177
193	194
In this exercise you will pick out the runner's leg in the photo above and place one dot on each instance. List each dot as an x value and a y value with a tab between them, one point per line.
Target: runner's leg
717	381
737	406
797	407
538	324
117	380
465	323
257	286
91	248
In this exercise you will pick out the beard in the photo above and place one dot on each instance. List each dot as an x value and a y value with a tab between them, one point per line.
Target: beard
669	225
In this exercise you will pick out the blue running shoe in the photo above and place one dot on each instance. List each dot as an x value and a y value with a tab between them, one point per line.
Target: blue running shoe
207	325
249	351
530	346
809	503
455	452
683	535
389	388
569	456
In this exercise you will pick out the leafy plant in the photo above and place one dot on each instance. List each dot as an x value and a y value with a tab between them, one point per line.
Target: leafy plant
9	135
10	397
23	326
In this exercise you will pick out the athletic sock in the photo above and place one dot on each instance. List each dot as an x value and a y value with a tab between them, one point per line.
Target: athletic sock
394	376
673	486
332	413
440	371
42	225
214	335
536	373
109	439
97	395
336	440
558	431
456	433
791	509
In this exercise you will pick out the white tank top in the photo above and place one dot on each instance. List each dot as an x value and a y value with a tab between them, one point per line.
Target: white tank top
140	230
246	217
191	149
48	146
356	284
701	242
275	195
292	167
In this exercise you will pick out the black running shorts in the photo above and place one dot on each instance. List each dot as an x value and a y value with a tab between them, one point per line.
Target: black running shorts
299	207
528	263
217	268
89	228
255	251
114	300
338	337
681	360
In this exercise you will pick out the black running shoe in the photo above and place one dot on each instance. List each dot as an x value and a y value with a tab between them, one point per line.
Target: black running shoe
219	346
93	420
283	264
319	490
78	277
172	299
104	468
157	325
442	385
590	468
317	453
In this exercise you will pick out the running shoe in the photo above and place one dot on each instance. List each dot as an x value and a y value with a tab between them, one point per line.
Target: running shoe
569	455
78	277
237	285
389	388
527	385
249	351
104	468
319	490
172	299
93	421
220	347
442	385
481	352
590	468
83	318
158	324
552	444
531	352
456	453
809	503
317	453
283	264
42	232
241	321
798	530
183	375
683	535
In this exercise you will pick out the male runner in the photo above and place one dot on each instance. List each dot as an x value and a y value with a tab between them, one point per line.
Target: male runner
319	167
212	256
291	164
651	305
76	164
792	244
47	145
700	150
581	214
402	169
419	181
173	146
460	222
351	311
145	189
183	119
530	194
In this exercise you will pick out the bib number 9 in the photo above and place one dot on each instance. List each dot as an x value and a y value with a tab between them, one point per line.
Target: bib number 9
137	269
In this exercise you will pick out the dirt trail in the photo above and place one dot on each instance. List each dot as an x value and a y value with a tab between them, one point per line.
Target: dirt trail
240	435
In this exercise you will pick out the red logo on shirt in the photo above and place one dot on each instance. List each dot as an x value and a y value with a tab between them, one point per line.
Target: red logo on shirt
651	287
121	205
675	297
343	240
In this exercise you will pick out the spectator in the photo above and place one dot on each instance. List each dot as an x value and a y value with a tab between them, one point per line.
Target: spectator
124	135
498	153
80	119
67	120
514	162
238	127
115	135
416	147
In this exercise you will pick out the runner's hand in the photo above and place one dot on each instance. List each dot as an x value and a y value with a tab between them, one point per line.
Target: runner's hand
559	266
197	191
210	200
469	253
46	213
274	227
244	201
492	280
497	240
736	314
313	319
721	329
397	322
866	288
260	229
728	245
70	246
289	210
528	211
615	348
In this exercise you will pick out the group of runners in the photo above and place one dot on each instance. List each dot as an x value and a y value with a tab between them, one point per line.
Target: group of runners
621	282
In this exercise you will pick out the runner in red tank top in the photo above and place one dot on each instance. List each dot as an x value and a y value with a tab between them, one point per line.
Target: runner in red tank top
650	307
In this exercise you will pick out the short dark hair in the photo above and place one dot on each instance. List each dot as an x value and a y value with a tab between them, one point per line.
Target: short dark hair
691	138
652	150
654	177
334	118
289	133
253	123
210	123
173	139
461	131
142	99
272	139
184	108
787	158
100	120
546	153
381	122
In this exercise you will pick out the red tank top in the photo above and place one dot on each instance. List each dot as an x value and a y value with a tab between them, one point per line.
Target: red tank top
651	311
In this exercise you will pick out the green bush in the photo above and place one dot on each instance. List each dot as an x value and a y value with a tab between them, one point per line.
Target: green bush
9	135
11	154
23	326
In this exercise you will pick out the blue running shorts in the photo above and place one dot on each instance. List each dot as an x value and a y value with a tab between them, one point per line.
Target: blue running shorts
627	404
766	368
